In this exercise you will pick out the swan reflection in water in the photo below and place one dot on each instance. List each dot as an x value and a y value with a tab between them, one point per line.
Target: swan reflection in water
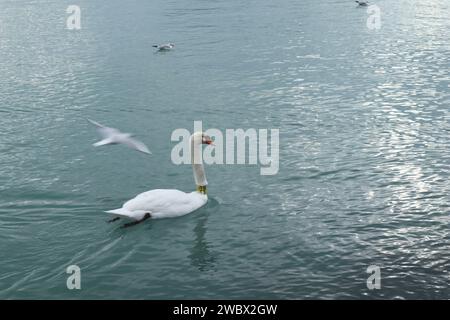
200	255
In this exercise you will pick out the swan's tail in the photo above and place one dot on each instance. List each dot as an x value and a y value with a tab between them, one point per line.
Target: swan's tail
123	213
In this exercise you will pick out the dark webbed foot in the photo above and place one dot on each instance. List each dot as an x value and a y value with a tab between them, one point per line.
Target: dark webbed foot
129	224
113	219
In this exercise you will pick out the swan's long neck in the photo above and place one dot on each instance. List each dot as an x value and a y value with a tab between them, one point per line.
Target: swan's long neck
197	167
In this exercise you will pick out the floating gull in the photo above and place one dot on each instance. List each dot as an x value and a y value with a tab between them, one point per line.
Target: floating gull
114	136
164	47
362	3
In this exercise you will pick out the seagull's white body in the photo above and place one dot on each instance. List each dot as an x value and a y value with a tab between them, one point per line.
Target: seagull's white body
114	136
164	47
169	203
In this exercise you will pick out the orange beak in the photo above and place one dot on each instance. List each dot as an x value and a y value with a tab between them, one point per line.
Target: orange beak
207	140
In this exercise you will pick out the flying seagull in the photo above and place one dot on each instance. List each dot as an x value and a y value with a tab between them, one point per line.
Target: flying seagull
164	47
362	3
114	136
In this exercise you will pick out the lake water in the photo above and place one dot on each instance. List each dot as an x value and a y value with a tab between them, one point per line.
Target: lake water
364	120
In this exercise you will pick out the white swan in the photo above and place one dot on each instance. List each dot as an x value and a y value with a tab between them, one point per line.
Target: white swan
169	203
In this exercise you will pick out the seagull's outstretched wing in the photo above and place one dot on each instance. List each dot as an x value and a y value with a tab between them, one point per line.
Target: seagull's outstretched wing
104	131
114	136
98	125
104	142
136	144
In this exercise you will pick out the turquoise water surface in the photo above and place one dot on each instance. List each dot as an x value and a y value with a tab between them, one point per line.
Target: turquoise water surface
364	154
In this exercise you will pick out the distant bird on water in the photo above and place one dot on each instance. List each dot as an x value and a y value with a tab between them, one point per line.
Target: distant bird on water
164	47
362	3
114	136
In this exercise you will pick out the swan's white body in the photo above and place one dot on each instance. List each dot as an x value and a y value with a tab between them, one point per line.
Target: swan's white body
161	203
170	203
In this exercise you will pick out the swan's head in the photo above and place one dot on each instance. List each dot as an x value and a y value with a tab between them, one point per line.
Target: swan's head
201	138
